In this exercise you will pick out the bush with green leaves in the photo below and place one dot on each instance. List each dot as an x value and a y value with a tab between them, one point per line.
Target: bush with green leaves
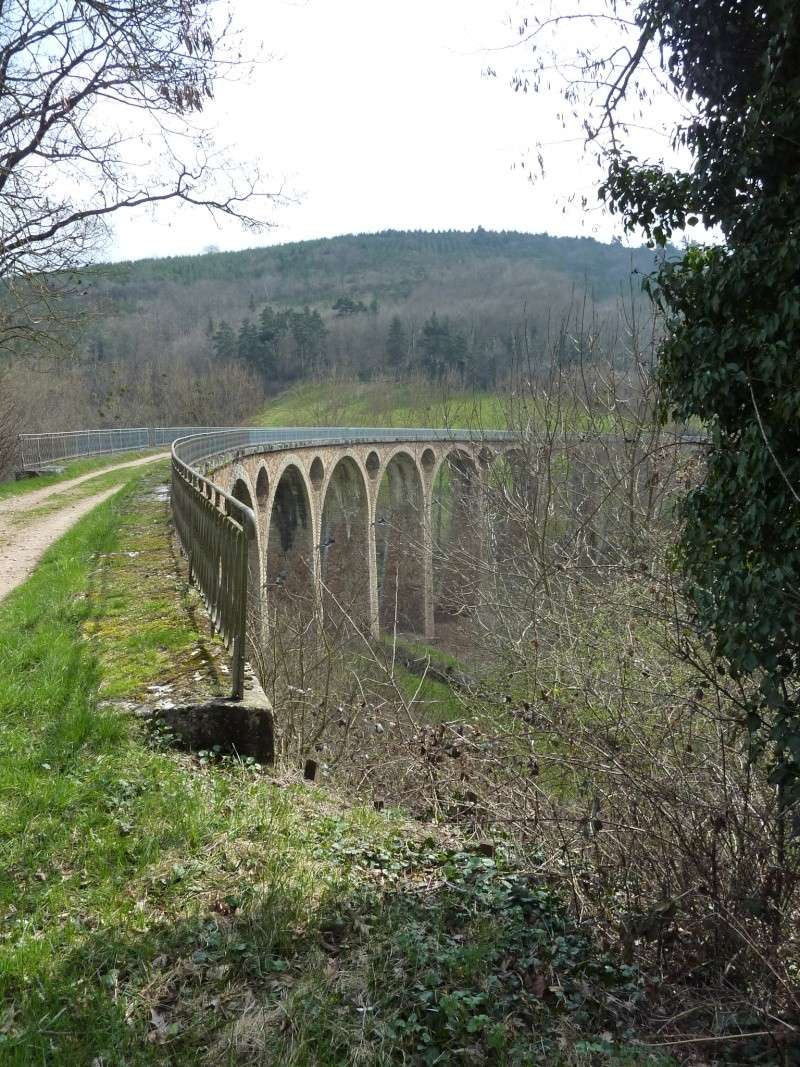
730	357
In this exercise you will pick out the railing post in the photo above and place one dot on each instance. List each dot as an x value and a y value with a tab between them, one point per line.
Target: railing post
240	638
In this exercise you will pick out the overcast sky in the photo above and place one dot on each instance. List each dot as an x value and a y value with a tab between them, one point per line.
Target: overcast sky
375	114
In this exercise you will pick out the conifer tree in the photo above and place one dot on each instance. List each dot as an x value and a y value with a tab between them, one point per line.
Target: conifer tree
396	343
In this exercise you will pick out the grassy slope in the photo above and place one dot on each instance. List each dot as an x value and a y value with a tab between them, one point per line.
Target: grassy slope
382	403
157	907
417	403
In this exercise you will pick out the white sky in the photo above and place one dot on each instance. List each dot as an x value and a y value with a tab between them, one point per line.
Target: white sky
375	115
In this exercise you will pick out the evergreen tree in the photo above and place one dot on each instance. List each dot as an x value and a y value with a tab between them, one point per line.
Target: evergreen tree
457	359
443	348
272	328
224	342
396	343
434	343
248	344
346	306
308	333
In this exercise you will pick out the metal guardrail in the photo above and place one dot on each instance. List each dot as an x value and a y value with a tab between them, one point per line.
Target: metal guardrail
36	450
214	530
204	444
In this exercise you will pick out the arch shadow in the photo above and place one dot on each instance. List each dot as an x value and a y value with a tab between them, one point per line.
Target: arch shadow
456	535
344	547
512	499
289	570
400	546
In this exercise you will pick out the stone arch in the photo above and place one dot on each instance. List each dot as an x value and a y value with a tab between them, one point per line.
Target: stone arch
262	499
373	464
344	558
316	472
428	460
400	545
243	492
457	534
290	567
241	488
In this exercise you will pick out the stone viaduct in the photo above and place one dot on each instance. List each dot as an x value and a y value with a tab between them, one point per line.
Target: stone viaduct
351	528
390	527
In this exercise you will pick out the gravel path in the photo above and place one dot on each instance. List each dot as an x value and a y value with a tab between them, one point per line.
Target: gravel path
22	546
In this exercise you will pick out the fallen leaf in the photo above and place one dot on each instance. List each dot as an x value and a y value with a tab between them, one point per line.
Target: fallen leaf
536	984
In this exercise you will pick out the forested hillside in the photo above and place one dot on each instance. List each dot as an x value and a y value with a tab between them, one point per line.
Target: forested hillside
430	303
205	339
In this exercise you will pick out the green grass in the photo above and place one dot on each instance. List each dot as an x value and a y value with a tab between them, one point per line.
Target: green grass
157	907
120	862
382	403
418	649
435	701
418	403
72	469
152	626
75	494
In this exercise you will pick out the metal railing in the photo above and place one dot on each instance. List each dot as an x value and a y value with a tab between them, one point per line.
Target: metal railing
36	450
215	530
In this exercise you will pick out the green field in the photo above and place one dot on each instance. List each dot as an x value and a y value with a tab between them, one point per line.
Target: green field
383	403
416	403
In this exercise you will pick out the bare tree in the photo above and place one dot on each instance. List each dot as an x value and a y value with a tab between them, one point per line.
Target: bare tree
8	426
99	106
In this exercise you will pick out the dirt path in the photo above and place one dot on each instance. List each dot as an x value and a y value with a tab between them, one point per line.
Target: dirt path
22	545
